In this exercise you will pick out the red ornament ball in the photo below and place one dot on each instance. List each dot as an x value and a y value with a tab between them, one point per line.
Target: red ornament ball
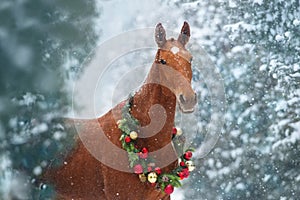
182	164
169	189
127	139
188	155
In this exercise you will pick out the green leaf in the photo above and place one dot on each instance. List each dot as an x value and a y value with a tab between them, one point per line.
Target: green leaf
133	158
176	183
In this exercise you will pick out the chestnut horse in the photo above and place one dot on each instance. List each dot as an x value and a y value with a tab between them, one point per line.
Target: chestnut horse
82	176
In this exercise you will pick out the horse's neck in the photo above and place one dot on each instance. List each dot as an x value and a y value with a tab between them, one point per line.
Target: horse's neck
151	94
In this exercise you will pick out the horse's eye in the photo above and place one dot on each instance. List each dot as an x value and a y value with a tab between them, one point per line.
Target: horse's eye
191	59
162	61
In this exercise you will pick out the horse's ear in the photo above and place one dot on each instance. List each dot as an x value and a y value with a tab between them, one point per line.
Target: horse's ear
185	34
160	35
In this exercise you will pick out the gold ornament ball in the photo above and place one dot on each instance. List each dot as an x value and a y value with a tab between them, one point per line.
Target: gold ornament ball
142	177
152	177
179	131
133	135
190	164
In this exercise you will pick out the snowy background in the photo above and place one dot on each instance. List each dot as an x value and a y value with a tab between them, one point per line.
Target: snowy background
254	44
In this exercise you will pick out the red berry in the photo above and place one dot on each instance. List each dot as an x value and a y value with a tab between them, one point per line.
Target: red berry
188	155
174	131
127	139
138	169
169	189
185	172
144	150
158	170
144	153
181	175
182	164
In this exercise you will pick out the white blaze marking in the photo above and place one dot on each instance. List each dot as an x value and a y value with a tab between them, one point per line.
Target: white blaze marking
175	50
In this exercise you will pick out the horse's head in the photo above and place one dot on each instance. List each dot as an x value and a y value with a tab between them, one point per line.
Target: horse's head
173	54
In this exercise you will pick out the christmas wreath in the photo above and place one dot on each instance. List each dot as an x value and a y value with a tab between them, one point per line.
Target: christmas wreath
143	164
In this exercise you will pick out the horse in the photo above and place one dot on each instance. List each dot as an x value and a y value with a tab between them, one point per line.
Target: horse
168	83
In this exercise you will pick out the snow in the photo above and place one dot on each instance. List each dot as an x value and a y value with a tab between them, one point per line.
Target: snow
237	49
18	139
13	183
232	4
236	152
225	154
296	67
281	105
287	34
211	162
235	133
259	2
263	67
5	162
40	128
37	170
297	178
238	72
267	177
296	75
279	38
283	122
28	99
178	194
58	135
240	186
236	26
292	139
228	187
296	22
296	127
13	122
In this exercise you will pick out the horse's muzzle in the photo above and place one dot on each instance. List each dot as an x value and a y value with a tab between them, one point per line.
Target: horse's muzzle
187	104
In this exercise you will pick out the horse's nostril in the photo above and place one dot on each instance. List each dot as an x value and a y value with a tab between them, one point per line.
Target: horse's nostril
181	98
196	97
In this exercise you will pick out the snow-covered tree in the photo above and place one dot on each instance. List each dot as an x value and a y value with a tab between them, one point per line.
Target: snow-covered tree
42	44
255	44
